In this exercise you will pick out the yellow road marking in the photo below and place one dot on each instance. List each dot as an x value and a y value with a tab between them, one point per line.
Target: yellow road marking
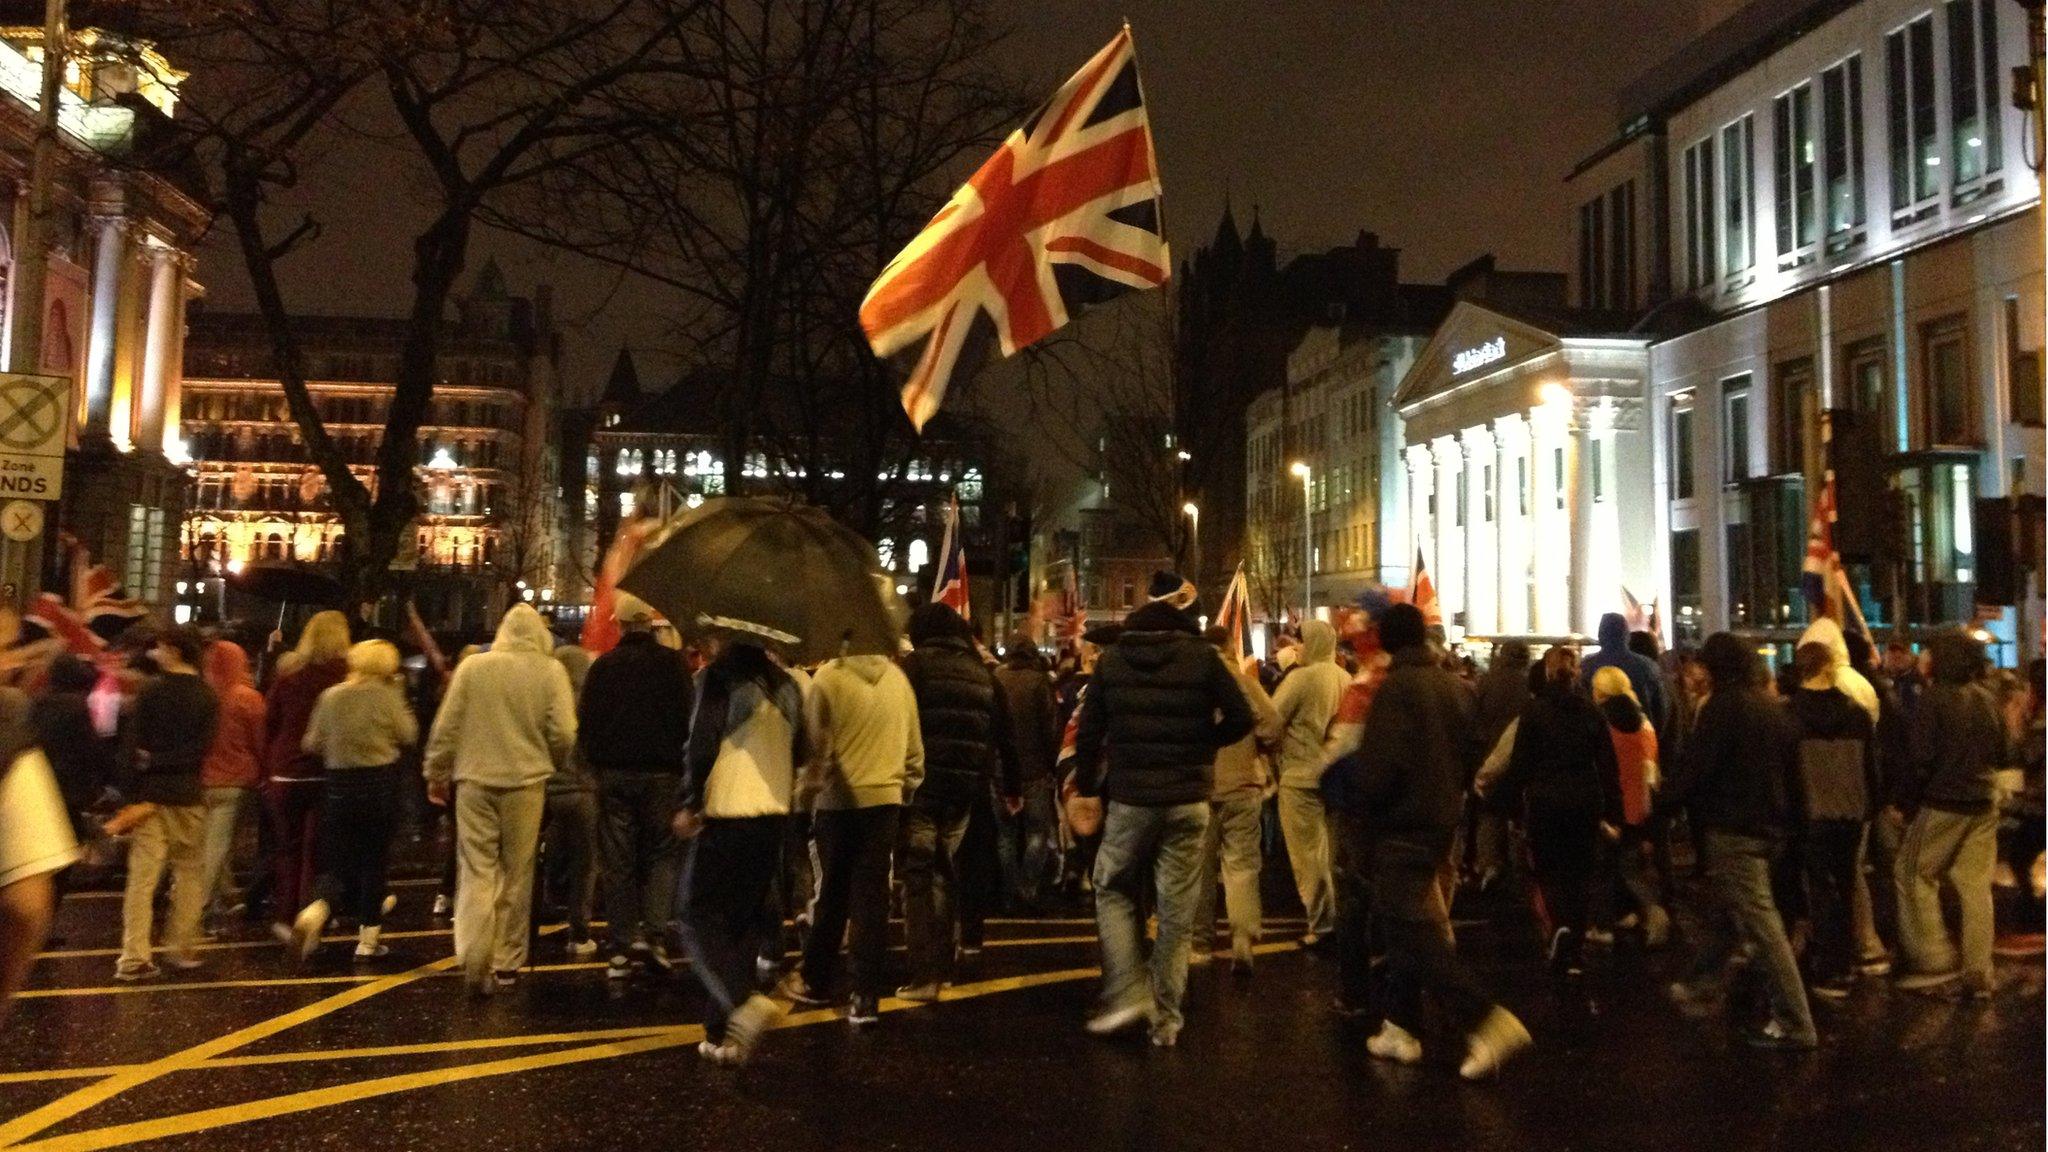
117	894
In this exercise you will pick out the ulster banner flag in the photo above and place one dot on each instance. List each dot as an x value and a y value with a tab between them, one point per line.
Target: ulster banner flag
1066	213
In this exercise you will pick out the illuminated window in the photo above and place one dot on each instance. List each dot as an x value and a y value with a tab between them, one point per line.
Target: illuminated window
919	555
1915	147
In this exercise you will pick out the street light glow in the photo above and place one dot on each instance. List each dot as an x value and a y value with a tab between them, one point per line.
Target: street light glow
1189	510
1555	393
1299	468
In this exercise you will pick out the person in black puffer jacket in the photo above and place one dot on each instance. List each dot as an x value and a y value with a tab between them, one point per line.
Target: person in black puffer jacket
966	731
1563	770
1163	704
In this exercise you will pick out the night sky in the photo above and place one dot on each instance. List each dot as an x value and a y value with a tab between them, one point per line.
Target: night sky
1447	126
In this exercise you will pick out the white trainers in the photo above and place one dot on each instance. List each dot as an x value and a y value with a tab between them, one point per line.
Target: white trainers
307	926
1110	1021
744	1029
368	947
442	904
1395	1043
1499	1038
390	902
582	949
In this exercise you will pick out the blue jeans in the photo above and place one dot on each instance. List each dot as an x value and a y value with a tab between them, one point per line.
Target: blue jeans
1738	876
1168	843
1027	843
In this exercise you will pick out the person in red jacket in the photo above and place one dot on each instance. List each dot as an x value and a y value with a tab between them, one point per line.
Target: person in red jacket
234	764
1635	757
294	779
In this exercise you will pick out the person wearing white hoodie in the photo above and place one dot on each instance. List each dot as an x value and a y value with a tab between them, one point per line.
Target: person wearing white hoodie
1307	700
868	757
506	724
1848	681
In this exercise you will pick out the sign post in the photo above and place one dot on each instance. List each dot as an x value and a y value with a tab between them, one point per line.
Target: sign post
35	411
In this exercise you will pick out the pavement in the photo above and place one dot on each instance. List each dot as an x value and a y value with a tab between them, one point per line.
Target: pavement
250	1053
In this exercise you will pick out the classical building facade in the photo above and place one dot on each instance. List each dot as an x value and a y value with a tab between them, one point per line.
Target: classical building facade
1843	205
487	457
117	247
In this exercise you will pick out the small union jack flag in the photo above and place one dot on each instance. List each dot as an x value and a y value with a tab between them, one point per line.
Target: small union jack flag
95	611
950	585
1066	213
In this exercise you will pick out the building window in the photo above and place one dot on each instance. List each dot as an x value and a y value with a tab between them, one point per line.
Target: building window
1597	464
1738	147
1795	413
1592	268
1940	541
1621	236
2022	370
1735	428
1792	118
1915	147
1464	494
1946	402
1841	89
1685	584
1973	96
1486	494
1865	383
1681	448
1699	213
1522	485
1557	465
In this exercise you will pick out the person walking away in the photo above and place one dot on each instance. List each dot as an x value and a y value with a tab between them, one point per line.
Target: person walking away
1839	790
633	720
233	765
1564	779
569	826
36	844
1034	730
1958	744
747	738
81	759
867	761
964	727
163	748
294	781
1614	652
1231	840
1503	693
1634	739
1160	707
1403	787
1307	701
507	723
358	729
1879	852
1736	774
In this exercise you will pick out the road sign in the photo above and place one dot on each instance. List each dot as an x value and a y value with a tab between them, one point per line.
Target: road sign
21	521
34	411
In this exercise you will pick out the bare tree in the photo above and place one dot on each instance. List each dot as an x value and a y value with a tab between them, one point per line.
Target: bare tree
487	96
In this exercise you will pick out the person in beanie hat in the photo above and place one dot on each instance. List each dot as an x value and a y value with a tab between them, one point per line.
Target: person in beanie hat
1405	786
1160	707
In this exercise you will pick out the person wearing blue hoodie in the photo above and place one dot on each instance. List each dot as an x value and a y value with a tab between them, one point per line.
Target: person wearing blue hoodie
1643	673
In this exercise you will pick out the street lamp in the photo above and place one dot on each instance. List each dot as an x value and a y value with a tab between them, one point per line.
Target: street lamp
1194	515
1308	549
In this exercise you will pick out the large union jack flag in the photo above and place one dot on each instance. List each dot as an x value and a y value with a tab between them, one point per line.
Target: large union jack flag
1066	213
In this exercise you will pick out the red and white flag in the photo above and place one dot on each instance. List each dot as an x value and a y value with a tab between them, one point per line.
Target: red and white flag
949	586
1235	616
1422	594
1066	213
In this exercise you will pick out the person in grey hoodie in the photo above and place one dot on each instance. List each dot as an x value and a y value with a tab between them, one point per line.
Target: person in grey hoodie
1232	838
867	759
507	723
1307	701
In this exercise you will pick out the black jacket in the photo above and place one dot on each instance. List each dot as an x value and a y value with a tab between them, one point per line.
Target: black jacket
1958	737
1838	777
1028	696
1406	780
61	718
964	722
1163	702
166	739
1563	760
1739	768
634	713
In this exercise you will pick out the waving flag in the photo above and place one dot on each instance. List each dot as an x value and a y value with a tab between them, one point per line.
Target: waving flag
1066	213
950	585
94	612
1235	615
1422	594
1821	577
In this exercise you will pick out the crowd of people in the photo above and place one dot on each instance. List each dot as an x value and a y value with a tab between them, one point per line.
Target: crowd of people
707	797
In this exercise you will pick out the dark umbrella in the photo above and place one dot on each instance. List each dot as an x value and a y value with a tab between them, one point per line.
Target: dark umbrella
288	584
781	575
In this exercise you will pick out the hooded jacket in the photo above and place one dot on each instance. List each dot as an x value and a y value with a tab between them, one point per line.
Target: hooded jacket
747	738
235	760
1643	674
868	749
964	721
1563	761
509	718
1738	770
61	719
1307	701
1503	692
1241	767
1028	697
1162	704
1406	780
634	713
1958	736
1837	756
1852	683
361	723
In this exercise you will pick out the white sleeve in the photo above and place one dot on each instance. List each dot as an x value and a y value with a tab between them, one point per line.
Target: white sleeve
35	833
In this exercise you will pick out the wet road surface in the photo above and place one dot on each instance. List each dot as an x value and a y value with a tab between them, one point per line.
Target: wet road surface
250	1053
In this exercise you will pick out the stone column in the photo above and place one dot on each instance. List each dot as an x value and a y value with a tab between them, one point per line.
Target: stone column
1550	564
1421	481
1579	504
1482	576
174	382
166	316
106	308
1448	571
1511	536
